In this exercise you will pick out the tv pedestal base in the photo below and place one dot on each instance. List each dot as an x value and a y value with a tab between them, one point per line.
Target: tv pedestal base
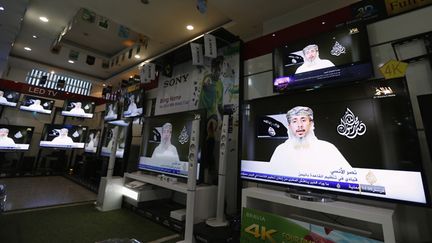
262	199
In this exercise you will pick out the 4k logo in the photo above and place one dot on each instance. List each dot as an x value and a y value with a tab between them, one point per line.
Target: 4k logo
261	232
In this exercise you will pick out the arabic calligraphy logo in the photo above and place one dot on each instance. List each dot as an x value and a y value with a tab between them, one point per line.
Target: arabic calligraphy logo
351	126
183	137
371	178
271	131
383	91
337	49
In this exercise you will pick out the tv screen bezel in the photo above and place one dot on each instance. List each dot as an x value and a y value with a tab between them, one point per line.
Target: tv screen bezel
86	115
76	145
45	111
19	149
424	179
10	104
201	152
141	95
365	66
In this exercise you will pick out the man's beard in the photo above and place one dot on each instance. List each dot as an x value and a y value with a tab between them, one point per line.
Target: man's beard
301	142
313	62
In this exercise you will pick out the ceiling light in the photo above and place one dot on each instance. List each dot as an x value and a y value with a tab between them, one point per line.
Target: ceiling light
34	36
189	27
1	8
137	56
71	61
27	48
273	35
131	76
323	22
52	72
43	19
104	85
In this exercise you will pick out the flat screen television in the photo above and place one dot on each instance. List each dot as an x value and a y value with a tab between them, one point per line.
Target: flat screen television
36	104
63	136
15	138
111	111
133	104
166	147
75	108
337	56
108	140
358	140
9	98
92	140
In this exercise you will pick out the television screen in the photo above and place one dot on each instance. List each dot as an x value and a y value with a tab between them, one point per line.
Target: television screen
9	98
111	111
337	56
108	140
84	109
167	147
133	104
63	136
359	140
92	140
31	103
15	138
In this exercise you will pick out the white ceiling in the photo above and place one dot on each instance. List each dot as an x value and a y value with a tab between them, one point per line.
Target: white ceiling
161	21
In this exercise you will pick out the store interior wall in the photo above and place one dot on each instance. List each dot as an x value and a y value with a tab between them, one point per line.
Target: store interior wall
412	223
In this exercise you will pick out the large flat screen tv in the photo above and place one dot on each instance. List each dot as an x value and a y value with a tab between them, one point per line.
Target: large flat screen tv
75	108
133	104
111	111
63	136
36	104
108	140
92	140
9	98
337	56
15	138
358	140
166	148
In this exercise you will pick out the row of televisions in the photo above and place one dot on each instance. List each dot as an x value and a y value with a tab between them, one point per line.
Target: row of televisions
18	138
133	105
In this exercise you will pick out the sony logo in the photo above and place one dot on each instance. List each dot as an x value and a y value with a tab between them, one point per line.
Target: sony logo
176	80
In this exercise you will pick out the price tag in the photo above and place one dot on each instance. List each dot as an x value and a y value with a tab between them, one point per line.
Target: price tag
393	69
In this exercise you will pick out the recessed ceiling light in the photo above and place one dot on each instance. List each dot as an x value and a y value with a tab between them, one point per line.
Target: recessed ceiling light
43	19
71	61
34	36
189	27
131	76
323	22
1	8
52	72
273	35
104	85
137	56
27	48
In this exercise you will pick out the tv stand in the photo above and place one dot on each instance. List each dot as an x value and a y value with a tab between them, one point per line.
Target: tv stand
205	199
263	199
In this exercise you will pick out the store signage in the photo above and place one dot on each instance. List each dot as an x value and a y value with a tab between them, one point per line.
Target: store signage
399	6
258	226
42	91
393	69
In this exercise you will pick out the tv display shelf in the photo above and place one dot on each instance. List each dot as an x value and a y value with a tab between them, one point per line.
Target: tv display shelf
252	196
205	195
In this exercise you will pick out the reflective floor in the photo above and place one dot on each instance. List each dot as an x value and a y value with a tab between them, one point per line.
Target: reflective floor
33	192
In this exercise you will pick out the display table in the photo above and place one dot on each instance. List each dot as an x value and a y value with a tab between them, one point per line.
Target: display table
205	195
252	197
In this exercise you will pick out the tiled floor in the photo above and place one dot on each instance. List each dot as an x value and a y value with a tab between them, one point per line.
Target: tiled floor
32	192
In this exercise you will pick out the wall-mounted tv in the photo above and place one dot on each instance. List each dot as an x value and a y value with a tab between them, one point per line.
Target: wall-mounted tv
357	140
36	104
111	111
340	55
133	104
108	140
9	98
167	146
63	136
83	109
92	140
15	138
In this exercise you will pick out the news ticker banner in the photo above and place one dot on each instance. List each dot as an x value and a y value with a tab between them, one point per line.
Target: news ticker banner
362	181
258	226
